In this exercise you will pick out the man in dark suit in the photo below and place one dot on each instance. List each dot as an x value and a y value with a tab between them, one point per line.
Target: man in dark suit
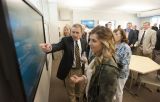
71	63
156	52
136	31
154	27
131	35
109	25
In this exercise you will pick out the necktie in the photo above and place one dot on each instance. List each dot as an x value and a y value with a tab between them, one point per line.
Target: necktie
77	56
141	42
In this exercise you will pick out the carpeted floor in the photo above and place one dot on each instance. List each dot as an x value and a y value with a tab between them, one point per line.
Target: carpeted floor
58	92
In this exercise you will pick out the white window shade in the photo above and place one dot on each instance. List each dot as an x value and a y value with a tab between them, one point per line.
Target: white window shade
65	14
149	13
155	19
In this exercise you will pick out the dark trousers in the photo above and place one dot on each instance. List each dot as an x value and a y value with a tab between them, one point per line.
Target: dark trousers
156	58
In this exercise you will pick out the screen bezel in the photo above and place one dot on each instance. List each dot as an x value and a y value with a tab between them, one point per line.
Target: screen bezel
14	76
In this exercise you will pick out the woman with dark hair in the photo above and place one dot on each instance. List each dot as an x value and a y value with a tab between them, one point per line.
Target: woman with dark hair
102	73
119	27
122	56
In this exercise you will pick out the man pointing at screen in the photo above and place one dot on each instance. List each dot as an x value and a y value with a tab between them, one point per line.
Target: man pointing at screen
71	62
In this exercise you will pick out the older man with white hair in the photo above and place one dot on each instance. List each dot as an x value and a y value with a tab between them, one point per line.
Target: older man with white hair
146	40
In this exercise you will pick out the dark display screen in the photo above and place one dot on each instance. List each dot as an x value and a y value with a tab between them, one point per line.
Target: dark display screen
28	33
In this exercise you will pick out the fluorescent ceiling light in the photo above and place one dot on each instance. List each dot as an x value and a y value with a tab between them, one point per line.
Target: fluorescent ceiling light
79	3
135	7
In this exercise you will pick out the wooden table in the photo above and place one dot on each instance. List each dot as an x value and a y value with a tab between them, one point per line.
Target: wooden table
142	66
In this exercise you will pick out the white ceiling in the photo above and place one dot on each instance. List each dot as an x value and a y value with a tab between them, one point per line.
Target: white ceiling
130	6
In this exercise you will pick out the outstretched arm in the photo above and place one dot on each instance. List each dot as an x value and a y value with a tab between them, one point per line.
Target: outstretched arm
52	47
45	47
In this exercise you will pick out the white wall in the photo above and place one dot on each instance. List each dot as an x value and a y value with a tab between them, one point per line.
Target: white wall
53	22
43	87
120	18
144	19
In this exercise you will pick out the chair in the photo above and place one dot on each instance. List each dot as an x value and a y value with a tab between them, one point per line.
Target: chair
150	79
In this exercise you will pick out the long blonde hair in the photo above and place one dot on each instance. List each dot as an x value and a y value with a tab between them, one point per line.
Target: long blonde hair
68	28
105	35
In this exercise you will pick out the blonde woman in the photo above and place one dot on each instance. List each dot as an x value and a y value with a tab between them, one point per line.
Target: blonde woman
101	75
66	30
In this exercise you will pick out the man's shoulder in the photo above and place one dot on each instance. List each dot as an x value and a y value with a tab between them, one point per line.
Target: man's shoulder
151	30
68	38
132	31
83	41
158	32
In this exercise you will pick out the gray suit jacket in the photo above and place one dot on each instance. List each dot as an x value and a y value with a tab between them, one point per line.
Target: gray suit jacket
149	40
